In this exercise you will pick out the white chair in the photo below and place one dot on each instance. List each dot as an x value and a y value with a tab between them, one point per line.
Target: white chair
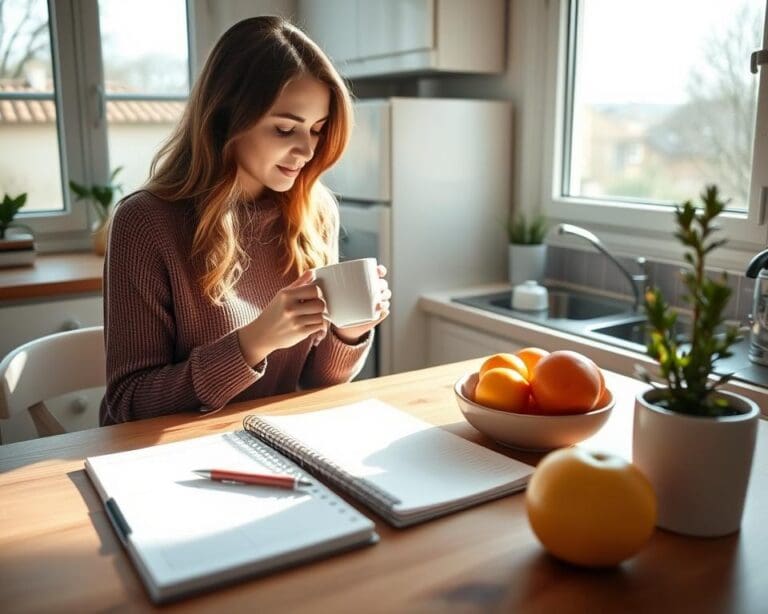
48	367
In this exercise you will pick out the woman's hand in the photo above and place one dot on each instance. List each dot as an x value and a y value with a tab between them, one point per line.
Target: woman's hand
295	313
352	334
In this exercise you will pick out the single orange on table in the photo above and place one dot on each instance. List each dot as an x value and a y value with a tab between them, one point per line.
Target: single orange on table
590	508
566	382
504	389
506	361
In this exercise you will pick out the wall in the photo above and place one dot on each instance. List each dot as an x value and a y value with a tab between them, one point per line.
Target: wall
32	164
590	269
526	40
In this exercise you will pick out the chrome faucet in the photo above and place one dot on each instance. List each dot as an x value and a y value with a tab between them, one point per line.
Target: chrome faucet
637	281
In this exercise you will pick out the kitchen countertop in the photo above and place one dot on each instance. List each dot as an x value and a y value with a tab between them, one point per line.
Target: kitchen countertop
52	276
750	379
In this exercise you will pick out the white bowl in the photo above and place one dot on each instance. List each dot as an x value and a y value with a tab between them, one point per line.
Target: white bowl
527	431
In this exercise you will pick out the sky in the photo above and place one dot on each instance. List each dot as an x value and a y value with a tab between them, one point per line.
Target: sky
137	27
634	50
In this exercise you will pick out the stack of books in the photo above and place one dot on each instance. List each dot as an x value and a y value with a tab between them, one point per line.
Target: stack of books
17	250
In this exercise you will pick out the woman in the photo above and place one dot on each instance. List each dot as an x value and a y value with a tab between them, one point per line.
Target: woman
208	283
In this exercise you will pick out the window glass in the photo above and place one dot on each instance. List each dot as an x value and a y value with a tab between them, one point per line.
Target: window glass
29	143
146	75
663	101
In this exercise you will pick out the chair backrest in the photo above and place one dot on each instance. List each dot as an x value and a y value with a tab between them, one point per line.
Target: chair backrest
51	366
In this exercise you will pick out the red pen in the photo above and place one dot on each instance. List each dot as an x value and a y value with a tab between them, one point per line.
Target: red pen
262	479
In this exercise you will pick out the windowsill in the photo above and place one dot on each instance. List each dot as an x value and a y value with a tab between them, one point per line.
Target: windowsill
53	275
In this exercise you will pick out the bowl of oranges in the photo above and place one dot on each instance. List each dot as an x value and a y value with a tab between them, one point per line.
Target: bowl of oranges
534	399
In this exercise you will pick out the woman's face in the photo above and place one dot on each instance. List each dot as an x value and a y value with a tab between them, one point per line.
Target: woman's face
272	152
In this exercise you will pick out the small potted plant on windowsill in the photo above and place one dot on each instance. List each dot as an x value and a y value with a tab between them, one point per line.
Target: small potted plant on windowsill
16	249
693	441
527	250
100	197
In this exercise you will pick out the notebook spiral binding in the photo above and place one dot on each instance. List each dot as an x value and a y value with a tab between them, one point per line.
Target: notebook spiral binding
378	499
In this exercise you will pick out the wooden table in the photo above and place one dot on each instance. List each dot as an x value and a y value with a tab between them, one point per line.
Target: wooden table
58	551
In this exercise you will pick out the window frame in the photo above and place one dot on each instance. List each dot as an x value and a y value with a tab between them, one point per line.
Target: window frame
638	229
81	124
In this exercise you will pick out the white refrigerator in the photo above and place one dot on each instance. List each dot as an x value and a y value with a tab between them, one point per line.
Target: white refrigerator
425	187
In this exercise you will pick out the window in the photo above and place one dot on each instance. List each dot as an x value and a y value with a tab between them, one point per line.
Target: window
146	80
85	86
28	107
652	101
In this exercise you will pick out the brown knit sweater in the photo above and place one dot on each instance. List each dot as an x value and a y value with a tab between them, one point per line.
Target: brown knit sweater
169	349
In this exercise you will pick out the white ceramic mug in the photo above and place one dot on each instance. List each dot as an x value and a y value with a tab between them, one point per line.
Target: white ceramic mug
350	289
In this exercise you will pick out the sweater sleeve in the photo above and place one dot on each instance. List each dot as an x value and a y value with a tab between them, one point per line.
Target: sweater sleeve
143	378
334	361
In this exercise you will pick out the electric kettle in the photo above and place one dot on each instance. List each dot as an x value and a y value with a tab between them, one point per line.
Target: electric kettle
758	338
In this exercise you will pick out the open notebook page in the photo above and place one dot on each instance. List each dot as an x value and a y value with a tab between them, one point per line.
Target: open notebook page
421	465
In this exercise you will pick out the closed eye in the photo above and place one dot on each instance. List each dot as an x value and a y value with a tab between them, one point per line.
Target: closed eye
290	131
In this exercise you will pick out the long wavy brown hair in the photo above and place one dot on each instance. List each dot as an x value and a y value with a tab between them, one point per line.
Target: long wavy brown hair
242	78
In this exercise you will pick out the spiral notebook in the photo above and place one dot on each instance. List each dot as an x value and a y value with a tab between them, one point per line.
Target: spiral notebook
186	534
404	469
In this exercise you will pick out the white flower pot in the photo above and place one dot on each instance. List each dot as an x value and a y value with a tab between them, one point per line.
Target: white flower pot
698	466
526	262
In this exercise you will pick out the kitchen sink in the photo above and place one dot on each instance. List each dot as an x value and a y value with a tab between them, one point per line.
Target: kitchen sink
610	321
633	331
633	334
564	304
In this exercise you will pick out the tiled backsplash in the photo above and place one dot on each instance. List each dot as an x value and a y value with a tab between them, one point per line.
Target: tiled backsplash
593	270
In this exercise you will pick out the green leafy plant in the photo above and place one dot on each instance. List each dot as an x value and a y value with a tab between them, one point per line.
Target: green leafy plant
521	232
100	196
686	364
9	207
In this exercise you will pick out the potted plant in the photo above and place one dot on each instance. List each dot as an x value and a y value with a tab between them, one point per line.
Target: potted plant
15	249
693	441
101	198
527	250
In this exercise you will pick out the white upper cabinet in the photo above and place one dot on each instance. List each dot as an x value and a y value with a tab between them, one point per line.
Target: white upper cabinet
368	38
333	26
393	27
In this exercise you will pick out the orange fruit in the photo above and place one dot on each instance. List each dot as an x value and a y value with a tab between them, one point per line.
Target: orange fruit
602	384
507	361
590	508
503	389
531	357
566	382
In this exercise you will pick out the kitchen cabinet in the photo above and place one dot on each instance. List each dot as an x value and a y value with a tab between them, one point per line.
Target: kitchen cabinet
450	342
23	321
368	38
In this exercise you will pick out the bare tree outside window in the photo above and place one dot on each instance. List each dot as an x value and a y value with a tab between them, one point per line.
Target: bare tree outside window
715	129
30	160
24	37
664	99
